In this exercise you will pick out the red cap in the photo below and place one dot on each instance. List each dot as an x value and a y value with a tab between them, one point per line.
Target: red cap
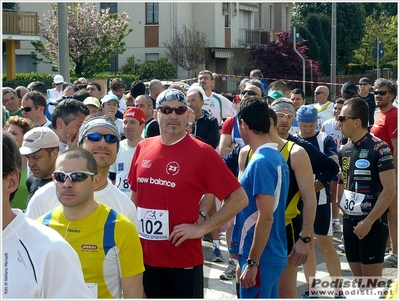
136	113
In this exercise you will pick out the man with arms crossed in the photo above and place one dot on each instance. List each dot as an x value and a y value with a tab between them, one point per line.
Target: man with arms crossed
169	175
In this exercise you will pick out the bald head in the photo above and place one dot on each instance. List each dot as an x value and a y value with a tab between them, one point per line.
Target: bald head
321	94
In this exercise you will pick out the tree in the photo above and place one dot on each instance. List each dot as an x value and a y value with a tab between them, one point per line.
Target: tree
278	59
188	47
160	69
239	64
385	27
349	29
94	38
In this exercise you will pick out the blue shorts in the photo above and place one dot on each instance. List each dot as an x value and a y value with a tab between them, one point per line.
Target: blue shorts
323	220
267	281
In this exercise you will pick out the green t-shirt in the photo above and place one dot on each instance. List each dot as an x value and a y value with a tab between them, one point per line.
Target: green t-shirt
20	199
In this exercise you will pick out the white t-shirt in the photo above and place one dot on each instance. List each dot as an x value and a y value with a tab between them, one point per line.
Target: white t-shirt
45	199
122	165
219	107
38	263
325	114
332	130
53	94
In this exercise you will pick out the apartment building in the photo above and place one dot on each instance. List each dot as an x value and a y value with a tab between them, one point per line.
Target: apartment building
228	25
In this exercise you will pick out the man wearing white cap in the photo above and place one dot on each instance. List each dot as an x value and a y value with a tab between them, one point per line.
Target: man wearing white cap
56	92
134	120
40	146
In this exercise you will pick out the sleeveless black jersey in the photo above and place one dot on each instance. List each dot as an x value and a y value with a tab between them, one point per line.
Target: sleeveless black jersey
361	163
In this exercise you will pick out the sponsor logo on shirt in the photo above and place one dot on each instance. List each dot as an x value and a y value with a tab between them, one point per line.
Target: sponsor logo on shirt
364	153
362	163
158	181
89	247
172	168
146	164
362	172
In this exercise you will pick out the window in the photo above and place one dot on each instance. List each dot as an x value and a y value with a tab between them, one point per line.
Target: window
152	12
112	5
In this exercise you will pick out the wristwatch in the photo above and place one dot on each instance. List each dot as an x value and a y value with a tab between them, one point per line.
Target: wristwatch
252	263
306	239
203	214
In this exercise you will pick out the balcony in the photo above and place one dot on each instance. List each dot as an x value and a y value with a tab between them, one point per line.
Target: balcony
249	37
18	23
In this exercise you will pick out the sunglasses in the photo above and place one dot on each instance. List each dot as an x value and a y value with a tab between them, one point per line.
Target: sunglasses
363	84
110	138
28	109
318	93
282	115
381	93
344	118
74	176
168	110
59	84
249	92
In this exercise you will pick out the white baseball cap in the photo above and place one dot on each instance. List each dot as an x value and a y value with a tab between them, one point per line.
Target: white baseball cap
58	79
38	138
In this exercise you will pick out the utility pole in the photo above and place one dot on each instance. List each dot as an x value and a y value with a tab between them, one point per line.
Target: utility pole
63	45
295	38
333	52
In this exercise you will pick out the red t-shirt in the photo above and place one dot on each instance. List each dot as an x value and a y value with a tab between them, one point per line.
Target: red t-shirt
227	126
169	181
385	126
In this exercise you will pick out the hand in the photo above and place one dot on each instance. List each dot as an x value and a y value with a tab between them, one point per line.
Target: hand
248	277
72	143
299	252
362	229
184	231
318	186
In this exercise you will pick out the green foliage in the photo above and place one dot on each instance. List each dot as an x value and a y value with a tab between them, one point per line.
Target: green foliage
384	27
24	79
349	29
94	38
160	69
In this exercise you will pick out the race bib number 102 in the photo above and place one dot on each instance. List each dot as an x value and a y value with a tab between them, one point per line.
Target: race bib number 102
153	224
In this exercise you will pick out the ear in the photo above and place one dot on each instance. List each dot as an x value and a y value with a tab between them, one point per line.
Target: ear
59	123
97	181
271	121
11	182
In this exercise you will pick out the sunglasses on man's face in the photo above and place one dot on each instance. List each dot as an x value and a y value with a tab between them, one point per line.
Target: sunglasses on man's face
28	109
110	138
381	93
168	110
342	118
249	92
74	176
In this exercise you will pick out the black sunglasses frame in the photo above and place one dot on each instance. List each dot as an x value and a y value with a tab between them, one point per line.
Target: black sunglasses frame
168	110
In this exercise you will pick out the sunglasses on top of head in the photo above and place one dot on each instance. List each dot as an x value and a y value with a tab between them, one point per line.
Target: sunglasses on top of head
110	138
74	176
168	110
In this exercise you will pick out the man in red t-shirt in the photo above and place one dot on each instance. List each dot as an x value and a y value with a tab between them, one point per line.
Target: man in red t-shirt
385	128
169	175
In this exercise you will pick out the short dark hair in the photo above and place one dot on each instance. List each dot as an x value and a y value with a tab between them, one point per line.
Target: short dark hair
255	82
207	72
37	98
94	84
256	72
290	86
81	95
117	83
11	158
339	100
9	90
273	116
38	86
278	85
298	91
138	88
71	87
77	152
358	108
254	111
67	109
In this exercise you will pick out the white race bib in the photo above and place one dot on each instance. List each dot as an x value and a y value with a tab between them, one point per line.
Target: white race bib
153	224
351	202
93	289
